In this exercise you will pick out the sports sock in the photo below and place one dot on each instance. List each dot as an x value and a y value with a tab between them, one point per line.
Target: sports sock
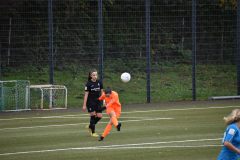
114	121
107	130
97	119
92	124
103	108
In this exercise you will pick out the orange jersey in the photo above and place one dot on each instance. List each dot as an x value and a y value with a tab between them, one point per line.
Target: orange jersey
112	101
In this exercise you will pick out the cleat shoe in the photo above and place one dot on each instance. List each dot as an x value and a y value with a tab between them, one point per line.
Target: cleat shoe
119	126
101	138
94	135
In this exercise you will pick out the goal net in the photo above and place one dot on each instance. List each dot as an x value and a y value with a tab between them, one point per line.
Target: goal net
14	95
48	96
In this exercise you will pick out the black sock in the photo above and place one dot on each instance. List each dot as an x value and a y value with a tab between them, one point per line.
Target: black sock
103	108
92	124
97	119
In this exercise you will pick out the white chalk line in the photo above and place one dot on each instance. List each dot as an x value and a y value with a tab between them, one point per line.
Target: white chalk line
143	111
160	147
60	117
48	117
146	111
182	109
75	124
125	146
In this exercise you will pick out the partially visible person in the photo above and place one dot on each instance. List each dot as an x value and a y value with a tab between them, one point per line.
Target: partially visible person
93	90
113	110
231	139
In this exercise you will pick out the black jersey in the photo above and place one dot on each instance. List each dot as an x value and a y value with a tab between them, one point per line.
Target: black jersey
94	92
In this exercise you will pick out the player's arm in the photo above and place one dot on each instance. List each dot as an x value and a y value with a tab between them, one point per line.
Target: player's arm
227	140
85	101
102	92
230	146
102	97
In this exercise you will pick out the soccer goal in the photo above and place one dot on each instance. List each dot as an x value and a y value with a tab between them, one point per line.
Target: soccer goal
48	96
14	95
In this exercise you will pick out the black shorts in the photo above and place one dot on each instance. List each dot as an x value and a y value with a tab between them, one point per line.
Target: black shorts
94	107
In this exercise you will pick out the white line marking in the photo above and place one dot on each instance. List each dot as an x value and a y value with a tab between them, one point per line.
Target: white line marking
181	109
159	147
143	111
74	124
65	117
50	117
98	148
168	142
124	146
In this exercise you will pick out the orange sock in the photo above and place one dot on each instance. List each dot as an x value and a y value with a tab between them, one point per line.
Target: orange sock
107	130
114	121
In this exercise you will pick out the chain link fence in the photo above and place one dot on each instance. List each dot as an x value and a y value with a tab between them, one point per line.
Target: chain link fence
79	44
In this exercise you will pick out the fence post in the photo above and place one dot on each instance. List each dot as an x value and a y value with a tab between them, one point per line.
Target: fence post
100	38
1	95
9	41
193	50
50	41
238	47
148	45
0	60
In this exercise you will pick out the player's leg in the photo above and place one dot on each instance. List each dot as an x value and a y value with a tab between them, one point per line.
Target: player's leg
106	131
95	116
92	124
118	113
98	116
112	115
111	112
114	120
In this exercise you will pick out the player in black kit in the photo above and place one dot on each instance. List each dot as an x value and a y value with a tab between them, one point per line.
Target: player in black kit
93	90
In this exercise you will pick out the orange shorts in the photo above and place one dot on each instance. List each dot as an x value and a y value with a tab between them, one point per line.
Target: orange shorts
117	111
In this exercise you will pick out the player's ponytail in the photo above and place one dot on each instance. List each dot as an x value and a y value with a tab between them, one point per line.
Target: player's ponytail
233	117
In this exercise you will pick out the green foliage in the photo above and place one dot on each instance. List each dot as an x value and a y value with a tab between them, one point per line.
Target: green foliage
169	81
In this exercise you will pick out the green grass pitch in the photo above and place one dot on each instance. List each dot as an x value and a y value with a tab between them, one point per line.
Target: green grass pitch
167	132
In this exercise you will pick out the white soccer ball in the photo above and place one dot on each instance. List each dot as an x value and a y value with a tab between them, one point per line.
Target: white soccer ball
125	77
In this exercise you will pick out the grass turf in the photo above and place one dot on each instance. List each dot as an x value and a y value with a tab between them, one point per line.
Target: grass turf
186	132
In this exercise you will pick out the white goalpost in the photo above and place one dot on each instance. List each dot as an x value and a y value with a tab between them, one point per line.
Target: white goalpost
48	96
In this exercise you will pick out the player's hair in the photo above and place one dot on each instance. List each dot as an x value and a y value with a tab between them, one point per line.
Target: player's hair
90	73
233	117
108	90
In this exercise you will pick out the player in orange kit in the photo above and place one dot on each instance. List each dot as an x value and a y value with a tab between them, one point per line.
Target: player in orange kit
113	109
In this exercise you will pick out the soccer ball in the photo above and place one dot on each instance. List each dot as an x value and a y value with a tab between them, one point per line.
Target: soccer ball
125	77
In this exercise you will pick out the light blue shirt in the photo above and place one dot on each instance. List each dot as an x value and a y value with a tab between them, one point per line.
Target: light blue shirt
232	135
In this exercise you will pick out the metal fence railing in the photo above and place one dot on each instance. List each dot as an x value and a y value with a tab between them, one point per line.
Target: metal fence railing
175	50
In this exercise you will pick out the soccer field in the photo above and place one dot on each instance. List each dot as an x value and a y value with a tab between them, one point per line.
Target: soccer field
181	132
